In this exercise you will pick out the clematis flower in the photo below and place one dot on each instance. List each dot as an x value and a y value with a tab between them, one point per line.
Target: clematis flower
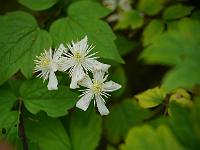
96	89
47	64
79	61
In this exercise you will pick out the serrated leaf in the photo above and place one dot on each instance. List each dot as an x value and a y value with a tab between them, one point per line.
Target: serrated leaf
121	118
47	132
153	30
150	7
37	98
177	11
38	5
85	130
145	137
151	97
19	43
133	19
179	48
84	19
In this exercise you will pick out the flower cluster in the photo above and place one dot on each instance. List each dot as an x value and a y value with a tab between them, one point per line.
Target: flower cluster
78	60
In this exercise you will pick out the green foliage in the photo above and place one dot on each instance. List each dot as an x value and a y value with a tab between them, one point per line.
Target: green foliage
178	48
152	31
47	133
37	98
177	11
150	7
76	26
20	43
85	130
132	19
145	137
162	33
119	121
38	5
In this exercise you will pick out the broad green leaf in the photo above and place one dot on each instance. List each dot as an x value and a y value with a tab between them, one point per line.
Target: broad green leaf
150	7
47	132
38	4
184	126
84	19
37	98
124	45
151	97
152	31
20	40
122	117
179	48
177	11
85	130
145	137
7	99
133	19
196	15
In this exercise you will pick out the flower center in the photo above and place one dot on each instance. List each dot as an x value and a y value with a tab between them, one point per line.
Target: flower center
44	62
97	87
78	57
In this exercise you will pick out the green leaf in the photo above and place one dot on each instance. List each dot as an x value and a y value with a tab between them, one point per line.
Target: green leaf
184	126
145	137
150	7
7	99
85	130
152	31
151	97
121	118
9	123
37	98
47	132
179	48
132	19
20	43
38	5
177	11
84	19
124	45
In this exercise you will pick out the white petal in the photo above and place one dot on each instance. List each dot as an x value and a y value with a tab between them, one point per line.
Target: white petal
83	102
99	75
65	63
97	66
101	105
77	75
83	44
86	82
58	52
53	82
111	86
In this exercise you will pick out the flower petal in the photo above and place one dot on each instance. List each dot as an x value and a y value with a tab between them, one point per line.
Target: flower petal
97	66
111	86
83	102
83	44
58	52
101	105
99	75
65	63
86	82
77	75
53	82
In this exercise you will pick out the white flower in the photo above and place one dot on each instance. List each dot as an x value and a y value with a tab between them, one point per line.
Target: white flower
47	64
78	61
96	89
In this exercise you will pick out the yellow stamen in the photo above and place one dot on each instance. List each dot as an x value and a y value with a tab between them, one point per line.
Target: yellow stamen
44	62
97	87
